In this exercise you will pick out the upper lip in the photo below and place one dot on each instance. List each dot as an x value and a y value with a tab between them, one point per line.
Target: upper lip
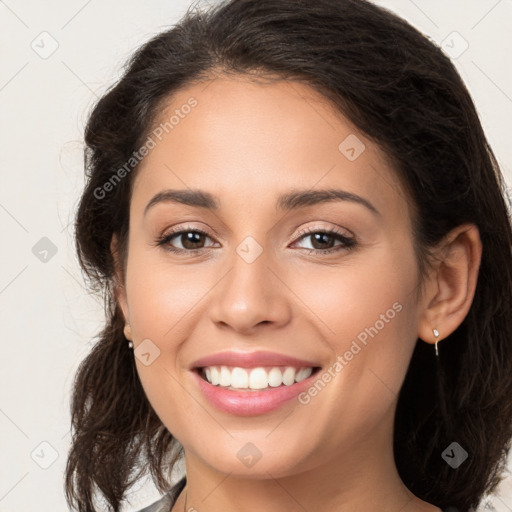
252	360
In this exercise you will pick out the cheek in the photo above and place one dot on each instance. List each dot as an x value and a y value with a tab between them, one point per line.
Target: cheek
161	300
354	296
162	295
366	312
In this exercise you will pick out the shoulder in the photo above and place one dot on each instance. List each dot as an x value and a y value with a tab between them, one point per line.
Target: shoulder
162	505
165	503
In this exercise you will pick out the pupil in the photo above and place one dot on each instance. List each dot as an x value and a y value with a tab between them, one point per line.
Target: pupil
319	236
189	238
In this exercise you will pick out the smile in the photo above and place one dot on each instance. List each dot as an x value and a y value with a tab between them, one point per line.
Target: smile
237	378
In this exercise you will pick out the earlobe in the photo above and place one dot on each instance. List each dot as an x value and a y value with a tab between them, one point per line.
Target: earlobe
119	279
128	332
452	284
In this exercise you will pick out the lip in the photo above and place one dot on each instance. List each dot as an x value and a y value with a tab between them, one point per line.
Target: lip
252	403
252	360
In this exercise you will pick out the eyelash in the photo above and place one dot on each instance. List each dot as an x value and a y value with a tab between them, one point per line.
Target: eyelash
347	242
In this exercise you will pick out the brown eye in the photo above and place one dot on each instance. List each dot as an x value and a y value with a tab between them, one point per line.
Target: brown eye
323	241
189	239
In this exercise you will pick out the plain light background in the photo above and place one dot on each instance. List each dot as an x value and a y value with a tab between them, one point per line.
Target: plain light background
57	57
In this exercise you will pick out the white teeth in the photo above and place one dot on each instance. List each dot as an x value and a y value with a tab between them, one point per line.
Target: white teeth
303	373
255	378
275	377
215	376
258	379
239	378
225	377
289	376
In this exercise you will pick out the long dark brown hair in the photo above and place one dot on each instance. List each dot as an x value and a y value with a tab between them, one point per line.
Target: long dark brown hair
400	90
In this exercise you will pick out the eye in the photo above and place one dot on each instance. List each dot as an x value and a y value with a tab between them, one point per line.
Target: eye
190	239
322	240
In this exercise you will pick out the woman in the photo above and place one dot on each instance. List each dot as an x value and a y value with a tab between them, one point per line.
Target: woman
301	233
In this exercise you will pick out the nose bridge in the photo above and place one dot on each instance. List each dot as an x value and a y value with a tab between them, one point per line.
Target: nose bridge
250	292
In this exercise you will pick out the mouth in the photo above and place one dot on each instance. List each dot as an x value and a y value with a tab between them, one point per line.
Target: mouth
236	378
253	390
252	383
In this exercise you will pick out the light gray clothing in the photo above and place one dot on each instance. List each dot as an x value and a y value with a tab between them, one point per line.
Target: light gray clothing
166	502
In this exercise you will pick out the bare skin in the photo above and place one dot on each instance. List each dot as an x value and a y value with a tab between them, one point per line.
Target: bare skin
248	143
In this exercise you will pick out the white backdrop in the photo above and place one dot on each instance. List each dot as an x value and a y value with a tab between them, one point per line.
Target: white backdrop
57	56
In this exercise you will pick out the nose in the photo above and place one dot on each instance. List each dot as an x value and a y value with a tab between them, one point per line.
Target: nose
251	294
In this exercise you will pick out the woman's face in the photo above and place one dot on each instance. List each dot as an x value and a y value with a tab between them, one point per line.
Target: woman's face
266	277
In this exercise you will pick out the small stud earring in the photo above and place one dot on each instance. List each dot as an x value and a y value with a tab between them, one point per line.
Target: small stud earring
436	334
128	334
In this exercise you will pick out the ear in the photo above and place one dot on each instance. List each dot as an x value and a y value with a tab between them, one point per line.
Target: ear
119	285
451	283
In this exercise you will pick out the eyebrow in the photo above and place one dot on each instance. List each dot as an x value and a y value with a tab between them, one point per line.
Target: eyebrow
292	200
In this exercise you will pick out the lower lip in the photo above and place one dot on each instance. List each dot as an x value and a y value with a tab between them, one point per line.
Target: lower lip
251	403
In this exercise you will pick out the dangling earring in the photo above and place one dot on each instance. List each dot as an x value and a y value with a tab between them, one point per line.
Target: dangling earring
436	334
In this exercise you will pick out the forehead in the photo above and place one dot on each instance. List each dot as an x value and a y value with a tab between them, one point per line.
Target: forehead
237	138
